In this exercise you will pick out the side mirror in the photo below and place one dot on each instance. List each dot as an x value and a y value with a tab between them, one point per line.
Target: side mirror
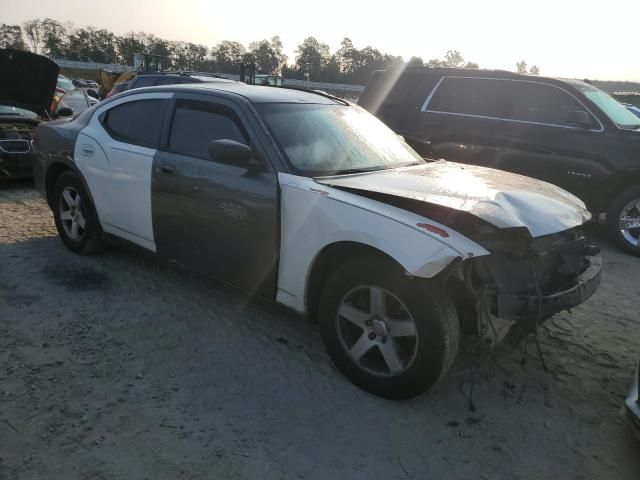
230	151
92	93
64	112
580	118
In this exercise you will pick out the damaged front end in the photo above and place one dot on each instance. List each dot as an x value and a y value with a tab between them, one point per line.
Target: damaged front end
525	280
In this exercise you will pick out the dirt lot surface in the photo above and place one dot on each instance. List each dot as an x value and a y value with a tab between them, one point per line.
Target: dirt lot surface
121	366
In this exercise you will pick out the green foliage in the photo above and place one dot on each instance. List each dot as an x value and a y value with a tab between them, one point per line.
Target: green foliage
267	55
11	37
313	59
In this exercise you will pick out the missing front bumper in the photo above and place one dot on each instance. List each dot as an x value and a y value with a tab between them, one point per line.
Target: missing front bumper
511	305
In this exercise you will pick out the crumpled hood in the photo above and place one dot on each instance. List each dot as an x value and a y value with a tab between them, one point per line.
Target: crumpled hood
27	80
503	199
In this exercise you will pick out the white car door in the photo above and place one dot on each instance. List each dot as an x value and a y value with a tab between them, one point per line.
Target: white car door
115	154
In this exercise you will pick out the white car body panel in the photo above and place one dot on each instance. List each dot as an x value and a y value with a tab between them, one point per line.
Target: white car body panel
119	177
314	216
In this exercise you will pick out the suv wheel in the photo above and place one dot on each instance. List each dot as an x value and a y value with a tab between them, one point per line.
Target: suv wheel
391	335
75	215
623	219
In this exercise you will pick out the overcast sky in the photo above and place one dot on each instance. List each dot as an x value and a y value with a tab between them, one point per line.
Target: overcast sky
564	38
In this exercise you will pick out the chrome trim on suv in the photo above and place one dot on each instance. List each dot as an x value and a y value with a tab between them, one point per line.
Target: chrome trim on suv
433	92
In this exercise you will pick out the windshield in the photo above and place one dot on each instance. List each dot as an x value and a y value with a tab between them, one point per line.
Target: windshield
334	139
613	109
9	111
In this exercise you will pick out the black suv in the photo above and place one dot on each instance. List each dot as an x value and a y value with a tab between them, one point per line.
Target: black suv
566	132
172	78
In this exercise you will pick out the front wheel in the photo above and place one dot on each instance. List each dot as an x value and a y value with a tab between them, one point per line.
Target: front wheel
623	220
391	335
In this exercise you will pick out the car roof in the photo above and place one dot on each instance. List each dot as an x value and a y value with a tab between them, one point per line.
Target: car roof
253	93
479	72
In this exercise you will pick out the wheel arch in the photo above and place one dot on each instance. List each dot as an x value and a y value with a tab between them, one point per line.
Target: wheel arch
615	185
51	176
328	258
53	172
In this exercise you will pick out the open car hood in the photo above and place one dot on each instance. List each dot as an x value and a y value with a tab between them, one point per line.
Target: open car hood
503	199
27	80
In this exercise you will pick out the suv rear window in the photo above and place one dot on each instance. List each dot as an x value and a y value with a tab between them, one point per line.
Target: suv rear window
138	122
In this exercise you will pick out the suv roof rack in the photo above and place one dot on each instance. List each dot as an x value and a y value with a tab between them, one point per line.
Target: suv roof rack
185	73
317	92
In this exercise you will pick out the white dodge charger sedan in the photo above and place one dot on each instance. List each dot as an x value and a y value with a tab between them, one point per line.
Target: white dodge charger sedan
310	201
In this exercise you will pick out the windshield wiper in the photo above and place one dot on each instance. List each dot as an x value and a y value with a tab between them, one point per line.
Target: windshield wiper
376	168
11	114
359	170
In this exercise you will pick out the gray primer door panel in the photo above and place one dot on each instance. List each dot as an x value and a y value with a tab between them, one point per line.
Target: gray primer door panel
217	218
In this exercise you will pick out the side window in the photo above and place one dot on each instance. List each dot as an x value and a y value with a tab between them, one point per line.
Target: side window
138	122
195	124
143	81
473	96
537	102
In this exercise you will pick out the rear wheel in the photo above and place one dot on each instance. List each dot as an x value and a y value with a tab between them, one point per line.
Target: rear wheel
623	219
391	335
75	215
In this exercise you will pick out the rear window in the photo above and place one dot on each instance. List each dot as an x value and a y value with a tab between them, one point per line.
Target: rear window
138	122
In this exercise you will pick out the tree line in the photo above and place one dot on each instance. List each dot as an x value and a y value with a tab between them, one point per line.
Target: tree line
313	59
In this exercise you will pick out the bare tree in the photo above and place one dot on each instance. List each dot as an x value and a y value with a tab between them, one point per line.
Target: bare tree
33	30
11	37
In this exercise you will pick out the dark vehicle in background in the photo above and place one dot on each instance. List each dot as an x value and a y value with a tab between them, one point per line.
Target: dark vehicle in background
171	78
118	88
566	132
27	87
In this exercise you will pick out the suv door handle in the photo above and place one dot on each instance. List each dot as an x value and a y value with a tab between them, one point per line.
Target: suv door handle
167	168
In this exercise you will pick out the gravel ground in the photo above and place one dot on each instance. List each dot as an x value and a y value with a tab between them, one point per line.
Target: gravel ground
121	366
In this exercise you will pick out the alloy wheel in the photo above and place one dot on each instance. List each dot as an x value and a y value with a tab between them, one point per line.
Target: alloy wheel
629	222
72	214
377	330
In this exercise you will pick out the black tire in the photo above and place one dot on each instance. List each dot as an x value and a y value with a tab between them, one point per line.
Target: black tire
613	216
434	315
89	241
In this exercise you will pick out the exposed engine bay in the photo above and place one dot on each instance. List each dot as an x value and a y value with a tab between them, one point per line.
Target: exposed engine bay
524	281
